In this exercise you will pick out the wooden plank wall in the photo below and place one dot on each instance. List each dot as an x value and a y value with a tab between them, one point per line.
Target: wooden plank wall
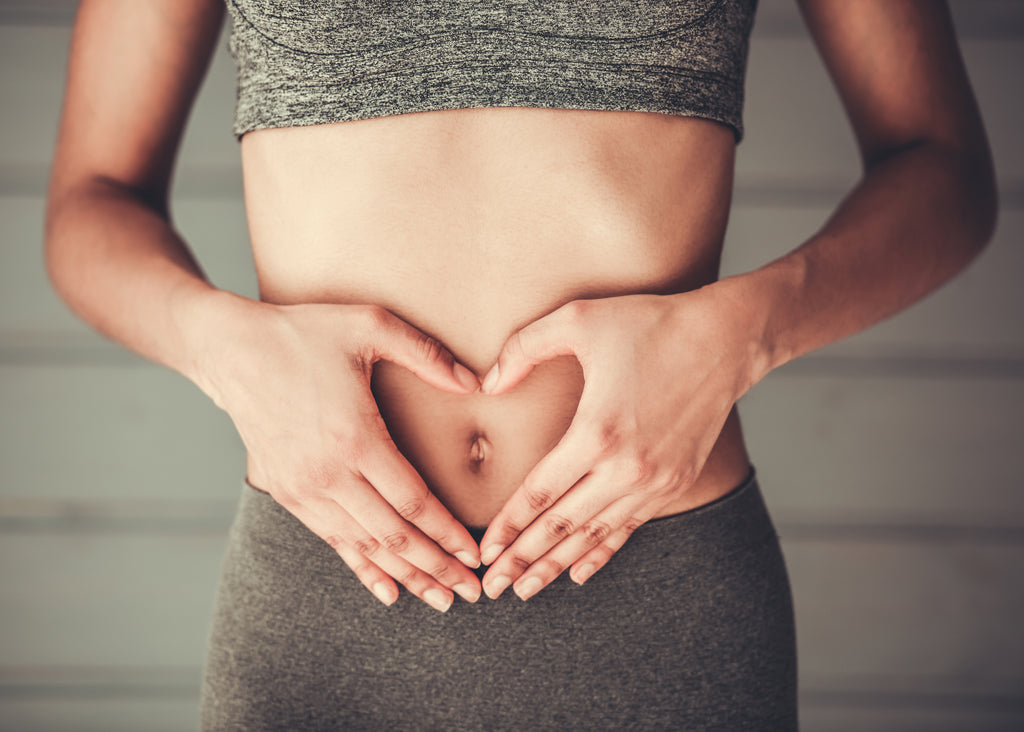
892	461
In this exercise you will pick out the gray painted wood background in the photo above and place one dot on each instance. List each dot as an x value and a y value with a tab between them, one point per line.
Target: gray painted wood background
892	461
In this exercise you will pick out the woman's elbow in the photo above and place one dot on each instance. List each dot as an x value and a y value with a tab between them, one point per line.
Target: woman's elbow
984	201
59	253
978	189
973	215
54	251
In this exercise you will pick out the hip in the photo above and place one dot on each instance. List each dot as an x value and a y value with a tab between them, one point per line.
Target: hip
690	626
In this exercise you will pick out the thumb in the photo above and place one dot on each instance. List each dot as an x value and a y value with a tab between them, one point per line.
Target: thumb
539	341
395	340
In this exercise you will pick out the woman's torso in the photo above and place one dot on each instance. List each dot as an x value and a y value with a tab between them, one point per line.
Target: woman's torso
471	223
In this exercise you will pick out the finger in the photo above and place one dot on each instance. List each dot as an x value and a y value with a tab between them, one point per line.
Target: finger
332	524
555	474
586	509
417	582
373	565
396	535
585	567
372	576
541	340
551	527
394	478
395	340
591	533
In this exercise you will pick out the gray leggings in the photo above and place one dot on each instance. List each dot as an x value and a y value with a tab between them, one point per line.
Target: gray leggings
688	627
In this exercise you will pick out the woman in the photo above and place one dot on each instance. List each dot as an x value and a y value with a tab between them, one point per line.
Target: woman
491	330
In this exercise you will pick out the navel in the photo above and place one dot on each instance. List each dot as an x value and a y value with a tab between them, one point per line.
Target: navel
479	450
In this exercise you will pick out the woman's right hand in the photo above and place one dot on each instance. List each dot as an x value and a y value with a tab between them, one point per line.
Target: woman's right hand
295	380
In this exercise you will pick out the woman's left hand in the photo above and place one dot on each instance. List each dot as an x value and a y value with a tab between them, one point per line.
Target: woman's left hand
662	373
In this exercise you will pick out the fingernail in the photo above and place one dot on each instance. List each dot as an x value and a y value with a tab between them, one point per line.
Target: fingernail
468	558
466	377
491	380
497	585
529	588
491	553
438	599
468	591
582	574
385	593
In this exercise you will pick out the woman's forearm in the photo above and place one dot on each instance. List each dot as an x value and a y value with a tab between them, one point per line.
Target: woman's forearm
294	379
117	262
916	218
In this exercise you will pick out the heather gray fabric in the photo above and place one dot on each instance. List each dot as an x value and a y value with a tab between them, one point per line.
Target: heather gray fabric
305	62
688	627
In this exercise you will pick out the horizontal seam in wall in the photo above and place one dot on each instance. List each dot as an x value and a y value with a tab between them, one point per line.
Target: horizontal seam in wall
973	18
114	517
225	182
31	350
92	682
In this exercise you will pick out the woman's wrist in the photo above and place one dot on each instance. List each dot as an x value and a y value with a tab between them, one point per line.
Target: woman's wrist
743	305
210	320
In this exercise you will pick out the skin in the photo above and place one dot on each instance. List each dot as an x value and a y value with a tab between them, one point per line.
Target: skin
925	206
580	251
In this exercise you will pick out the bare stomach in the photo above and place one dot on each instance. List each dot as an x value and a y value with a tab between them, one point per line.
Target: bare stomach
471	223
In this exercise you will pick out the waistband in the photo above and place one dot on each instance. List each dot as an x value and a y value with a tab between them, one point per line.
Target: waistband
660	548
690	519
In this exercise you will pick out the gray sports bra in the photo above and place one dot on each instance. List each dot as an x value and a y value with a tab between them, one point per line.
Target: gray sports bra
306	62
